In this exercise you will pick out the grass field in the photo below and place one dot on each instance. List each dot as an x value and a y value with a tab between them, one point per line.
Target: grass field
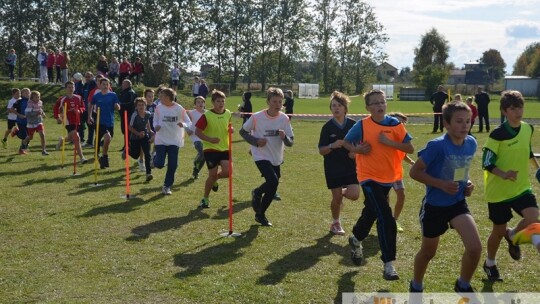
65	241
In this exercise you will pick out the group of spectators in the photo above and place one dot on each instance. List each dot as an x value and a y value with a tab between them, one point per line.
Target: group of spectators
123	70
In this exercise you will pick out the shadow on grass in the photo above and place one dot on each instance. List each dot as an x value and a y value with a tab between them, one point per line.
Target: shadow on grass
144	231
306	257
123	207
345	284
220	254
223	211
38	169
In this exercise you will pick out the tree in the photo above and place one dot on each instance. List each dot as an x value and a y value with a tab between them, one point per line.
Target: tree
521	66
325	12
494	65
430	67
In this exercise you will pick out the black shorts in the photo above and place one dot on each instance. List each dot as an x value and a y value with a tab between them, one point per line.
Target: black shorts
213	159
340	182
11	124
174	82
70	128
501	213
435	220
104	129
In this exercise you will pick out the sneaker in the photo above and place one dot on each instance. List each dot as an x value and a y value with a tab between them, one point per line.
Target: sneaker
194	175
149	177
277	197
4	143
492	272
390	273
84	161
458	289
398	227
104	162
59	143
84	144
22	152
356	250
525	236
255	201
44	153
513	250
205	203
142	168
262	220
166	190
215	187
414	290
14	131
87	145
336	228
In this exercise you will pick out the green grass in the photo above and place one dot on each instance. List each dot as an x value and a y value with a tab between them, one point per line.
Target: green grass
63	240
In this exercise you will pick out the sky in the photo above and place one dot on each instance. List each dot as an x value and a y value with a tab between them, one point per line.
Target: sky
471	27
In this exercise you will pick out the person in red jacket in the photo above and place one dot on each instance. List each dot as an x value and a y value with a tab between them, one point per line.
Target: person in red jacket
474	111
51	60
138	70
59	62
74	107
125	70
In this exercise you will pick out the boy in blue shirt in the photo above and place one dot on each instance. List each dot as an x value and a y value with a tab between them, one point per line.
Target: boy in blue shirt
443	166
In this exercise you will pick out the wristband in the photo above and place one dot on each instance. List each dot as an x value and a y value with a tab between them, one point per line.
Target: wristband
330	146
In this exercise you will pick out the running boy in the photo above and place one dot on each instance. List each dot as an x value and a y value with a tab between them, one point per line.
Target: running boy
170	119
74	109
34	120
212	128
443	166
18	109
140	134
195	115
11	117
268	131
377	140
506	158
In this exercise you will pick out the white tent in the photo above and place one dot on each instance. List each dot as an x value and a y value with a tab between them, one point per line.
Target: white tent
308	90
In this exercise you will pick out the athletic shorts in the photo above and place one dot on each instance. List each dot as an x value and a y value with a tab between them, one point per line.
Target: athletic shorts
11	124
174	82
38	128
70	128
501	213
397	185
340	182
104	129
435	220
213	159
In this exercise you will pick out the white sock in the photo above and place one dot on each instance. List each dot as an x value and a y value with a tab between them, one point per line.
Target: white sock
490	263
535	240
335	221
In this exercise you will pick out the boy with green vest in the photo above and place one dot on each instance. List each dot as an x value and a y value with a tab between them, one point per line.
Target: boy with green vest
505	160
212	129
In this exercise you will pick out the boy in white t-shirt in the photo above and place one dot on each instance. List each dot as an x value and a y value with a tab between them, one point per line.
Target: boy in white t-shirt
194	115
268	131
12	117
170	119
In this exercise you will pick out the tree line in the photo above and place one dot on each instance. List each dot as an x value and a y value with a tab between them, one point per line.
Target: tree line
335	43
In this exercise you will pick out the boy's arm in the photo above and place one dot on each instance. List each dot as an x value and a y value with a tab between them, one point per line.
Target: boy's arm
252	140
409	160
288	140
205	137
418	173
406	147
488	163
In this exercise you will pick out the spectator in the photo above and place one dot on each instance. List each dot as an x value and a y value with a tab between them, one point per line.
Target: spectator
42	61
482	101
59	59
138	70
114	69
175	77
127	103
102	66
289	103
125	70
246	106
11	60
64	66
203	89
51	60
437	100
195	87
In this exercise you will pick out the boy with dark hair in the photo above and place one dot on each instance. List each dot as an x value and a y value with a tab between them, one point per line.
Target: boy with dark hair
139	135
212	128
505	159
195	115
19	107
11	117
443	166
377	140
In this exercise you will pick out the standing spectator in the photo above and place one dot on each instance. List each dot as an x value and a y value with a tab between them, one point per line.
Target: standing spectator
203	89
125	70
289	103
78	84
102	66
474	112
127	103
246	106
437	100
175	77
51	60
58	63
11	60
114	69
482	101
195	87
64	66
42	61
138	70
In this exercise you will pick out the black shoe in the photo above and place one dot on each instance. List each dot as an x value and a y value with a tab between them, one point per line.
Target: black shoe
492	272
460	290
263	220
255	201
102	162
215	187
277	197
513	250
357	255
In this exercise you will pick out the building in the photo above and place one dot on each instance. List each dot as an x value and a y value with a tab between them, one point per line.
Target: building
526	85
456	77
386	71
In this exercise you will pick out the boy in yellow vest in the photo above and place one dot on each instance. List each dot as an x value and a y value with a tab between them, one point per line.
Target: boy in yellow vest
505	160
378	141
212	129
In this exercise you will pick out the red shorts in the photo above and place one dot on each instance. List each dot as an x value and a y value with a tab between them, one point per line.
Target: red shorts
39	128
